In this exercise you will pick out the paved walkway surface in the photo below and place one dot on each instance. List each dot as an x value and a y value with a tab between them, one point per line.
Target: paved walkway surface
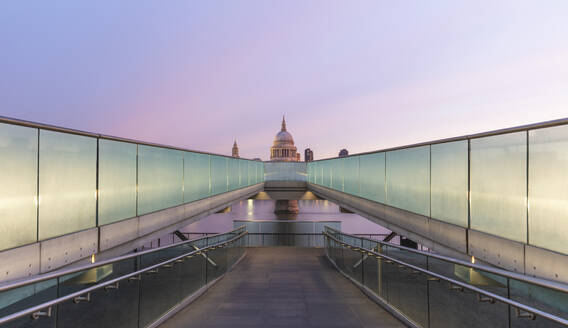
283	287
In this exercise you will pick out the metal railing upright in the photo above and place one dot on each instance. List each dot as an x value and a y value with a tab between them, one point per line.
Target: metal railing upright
430	290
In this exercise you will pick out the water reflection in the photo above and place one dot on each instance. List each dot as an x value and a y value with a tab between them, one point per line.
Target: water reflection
264	210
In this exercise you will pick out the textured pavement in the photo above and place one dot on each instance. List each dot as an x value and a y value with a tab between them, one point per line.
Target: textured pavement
283	287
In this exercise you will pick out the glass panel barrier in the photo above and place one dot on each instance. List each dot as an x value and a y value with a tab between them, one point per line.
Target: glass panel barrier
285	171
372	267
315	174
262	173
485	280
337	174
233	173
372	177
351	175
196	180
324	172
24	297
454	307
160	290
408	179
548	188
117	181
251	173
114	306
400	281
130	301
160	178
505	173
243	173
18	187
216	263
519	320
192	274
544	299
449	183
352	259
218	175
499	185
456	297
67	183
406	256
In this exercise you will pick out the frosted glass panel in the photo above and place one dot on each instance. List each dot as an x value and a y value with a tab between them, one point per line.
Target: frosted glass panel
449	182
243	173
498	185
257	171
408	179
351	175
18	185
218	174
313	172
326	173
160	178
285	171
117	181
337	174
548	188
196	176
251	173
67	183
233	173
372	177
260	172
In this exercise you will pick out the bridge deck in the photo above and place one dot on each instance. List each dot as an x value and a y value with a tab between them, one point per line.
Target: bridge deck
283	286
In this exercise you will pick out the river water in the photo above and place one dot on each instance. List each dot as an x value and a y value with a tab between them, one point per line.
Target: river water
310	210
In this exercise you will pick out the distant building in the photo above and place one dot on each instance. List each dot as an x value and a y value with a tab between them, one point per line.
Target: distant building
308	155
283	148
235	150
343	153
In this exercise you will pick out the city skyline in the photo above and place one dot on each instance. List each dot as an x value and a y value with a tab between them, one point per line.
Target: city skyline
199	75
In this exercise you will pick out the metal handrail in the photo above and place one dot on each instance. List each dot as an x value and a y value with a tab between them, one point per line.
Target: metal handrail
55	274
15	121
521	128
56	301
513	275
480	291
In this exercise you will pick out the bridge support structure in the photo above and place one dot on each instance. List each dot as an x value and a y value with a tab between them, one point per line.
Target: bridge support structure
107	241
452	240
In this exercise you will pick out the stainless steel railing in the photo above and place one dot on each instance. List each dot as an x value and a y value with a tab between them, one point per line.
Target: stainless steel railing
46	309
513	275
342	250
63	272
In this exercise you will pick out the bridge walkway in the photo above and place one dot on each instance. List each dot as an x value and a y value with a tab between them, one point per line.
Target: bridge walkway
283	287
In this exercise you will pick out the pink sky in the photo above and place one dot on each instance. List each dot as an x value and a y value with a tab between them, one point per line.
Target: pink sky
361	75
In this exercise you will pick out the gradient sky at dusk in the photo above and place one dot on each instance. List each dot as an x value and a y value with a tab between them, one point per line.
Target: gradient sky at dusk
361	75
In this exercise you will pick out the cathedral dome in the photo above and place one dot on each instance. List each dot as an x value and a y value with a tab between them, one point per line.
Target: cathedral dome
283	137
283	148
